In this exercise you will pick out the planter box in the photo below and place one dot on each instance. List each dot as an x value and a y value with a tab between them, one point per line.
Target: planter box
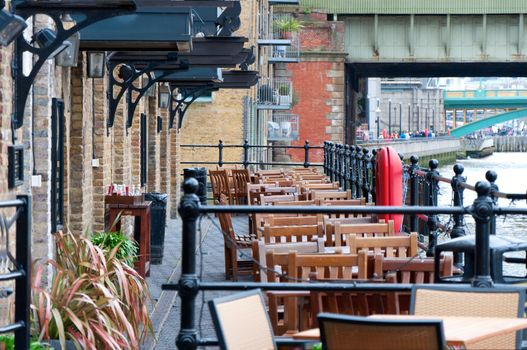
70	344
124	199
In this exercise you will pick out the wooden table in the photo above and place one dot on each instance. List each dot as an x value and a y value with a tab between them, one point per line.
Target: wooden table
459	331
141	213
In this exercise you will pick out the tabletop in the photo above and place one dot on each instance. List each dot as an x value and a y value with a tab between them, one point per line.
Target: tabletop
458	330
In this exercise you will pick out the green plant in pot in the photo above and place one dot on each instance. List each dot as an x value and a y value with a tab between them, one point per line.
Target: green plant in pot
7	342
285	25
93	298
126	248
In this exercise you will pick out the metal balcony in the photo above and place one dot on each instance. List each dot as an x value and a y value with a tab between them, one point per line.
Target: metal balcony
274	93
286	53
270	32
284	126
284	2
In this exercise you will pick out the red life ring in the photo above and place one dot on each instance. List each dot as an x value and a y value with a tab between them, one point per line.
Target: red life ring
389	183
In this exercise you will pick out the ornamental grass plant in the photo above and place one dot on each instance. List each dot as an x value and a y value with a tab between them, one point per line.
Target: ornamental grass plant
93	298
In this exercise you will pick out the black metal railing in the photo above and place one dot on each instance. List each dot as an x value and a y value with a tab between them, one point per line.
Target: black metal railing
483	211
21	265
220	146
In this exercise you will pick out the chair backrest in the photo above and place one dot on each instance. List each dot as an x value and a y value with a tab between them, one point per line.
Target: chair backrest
302	266
270	200
391	246
297	233
331	195
476	302
341	231
342	332
220	185
241	321
260	251
418	271
278	220
240	179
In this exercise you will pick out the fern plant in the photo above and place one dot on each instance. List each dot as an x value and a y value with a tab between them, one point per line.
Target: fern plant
127	248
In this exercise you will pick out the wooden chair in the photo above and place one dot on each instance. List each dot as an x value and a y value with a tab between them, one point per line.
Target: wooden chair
232	242
260	250
278	220
392	246
220	186
407	270
306	187
241	321
341	231
435	300
297	233
342	332
325	195
302	267
240	179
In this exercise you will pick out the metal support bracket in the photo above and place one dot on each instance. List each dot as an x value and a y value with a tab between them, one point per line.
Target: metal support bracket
127	75
180	105
55	10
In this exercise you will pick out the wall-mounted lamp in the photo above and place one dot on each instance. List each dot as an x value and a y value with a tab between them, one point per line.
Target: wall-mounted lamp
151	92
159	124
70	56
46	37
11	26
163	97
95	64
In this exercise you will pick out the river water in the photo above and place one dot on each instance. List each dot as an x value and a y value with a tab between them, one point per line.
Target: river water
512	178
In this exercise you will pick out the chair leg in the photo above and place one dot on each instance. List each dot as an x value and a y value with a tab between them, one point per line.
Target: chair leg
228	262
234	264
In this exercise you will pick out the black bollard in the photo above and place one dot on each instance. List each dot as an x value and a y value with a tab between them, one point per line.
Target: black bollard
491	177
459	229
482	210
187	338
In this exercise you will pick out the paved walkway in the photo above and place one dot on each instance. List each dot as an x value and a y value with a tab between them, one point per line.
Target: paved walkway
165	316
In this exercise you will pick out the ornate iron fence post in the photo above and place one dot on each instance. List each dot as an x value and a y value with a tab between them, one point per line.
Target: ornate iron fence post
23	285
306	154
245	153
342	166
220	153
326	157
365	174
414	191
482	211
358	172
333	161
459	229
353	166
346	169
187	338
338	163
431	200
491	177
374	175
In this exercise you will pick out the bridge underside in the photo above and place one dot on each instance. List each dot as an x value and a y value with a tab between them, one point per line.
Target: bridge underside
488	122
435	38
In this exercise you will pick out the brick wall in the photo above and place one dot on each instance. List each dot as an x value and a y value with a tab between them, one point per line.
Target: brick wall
318	83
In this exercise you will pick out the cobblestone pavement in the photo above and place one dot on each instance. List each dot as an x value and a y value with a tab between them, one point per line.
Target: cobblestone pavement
165	316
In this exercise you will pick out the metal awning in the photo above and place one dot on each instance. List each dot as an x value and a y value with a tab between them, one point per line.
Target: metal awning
232	79
147	29
226	52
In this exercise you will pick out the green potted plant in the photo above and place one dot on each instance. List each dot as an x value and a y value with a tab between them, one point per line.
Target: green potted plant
7	342
286	25
126	248
94	299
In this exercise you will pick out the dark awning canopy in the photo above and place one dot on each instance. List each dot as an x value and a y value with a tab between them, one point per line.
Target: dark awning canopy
231	80
147	29
226	52
197	75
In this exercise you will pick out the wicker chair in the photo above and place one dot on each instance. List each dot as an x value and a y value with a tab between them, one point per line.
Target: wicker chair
342	332
241	322
478	302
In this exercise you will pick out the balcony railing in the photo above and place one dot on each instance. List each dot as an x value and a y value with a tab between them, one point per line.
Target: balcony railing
283	127
274	93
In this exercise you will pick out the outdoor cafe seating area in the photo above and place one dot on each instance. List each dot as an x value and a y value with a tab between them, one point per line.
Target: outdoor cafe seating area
352	248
